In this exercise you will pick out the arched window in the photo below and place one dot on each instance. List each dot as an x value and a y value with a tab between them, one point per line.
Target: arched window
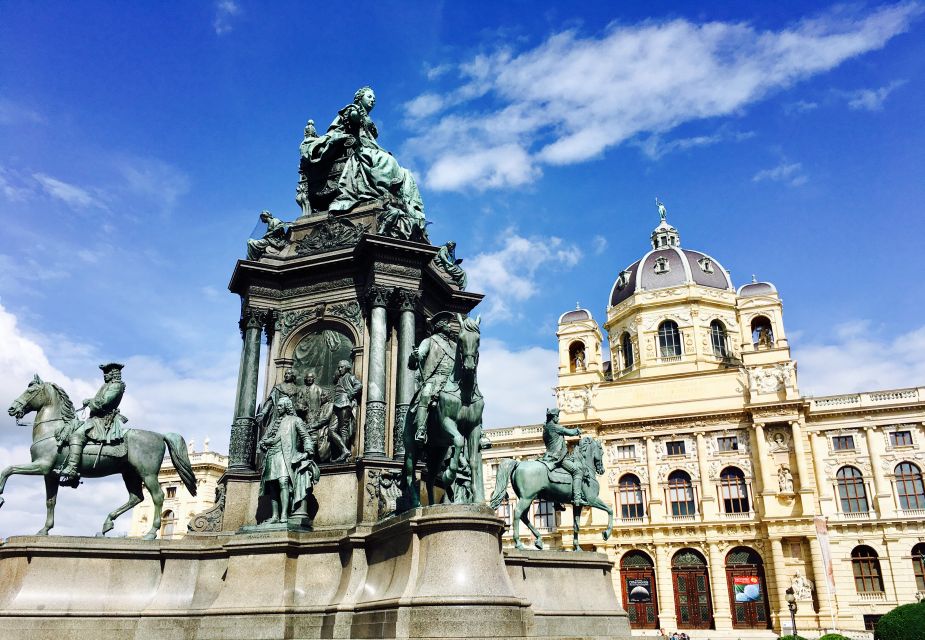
734	490
718	339
851	490
631	502
577	358
762	334
909	486
918	566
627	343
866	565
669	339
681	494
168	523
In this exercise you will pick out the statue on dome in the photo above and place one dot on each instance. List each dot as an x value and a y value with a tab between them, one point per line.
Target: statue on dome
662	211
364	171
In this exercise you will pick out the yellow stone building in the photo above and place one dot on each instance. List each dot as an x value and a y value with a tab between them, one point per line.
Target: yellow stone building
179	506
718	470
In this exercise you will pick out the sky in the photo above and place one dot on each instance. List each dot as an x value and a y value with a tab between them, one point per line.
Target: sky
139	141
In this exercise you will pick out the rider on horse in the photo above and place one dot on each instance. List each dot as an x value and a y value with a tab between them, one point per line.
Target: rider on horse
557	453
104	424
435	357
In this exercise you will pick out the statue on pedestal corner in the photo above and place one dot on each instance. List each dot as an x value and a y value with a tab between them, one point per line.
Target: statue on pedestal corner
446	259
275	238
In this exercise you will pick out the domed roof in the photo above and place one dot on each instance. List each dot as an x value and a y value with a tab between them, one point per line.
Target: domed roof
668	265
575	315
755	288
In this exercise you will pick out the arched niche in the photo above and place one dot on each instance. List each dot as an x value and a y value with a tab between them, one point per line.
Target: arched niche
318	347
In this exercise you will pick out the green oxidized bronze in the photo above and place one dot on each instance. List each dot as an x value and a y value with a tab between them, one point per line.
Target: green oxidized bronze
444	421
447	261
63	444
276	237
558	476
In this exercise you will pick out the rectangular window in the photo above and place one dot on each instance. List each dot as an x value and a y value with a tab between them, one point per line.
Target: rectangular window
545	514
871	620
901	439
676	448
842	443
795	550
171	492
626	451
730	443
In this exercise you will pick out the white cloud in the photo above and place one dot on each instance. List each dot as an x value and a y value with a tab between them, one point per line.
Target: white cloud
189	397
154	181
225	11
509	275
872	99
856	357
788	172
69	193
800	106
13	187
12	113
598	244
517	384
654	146
571	98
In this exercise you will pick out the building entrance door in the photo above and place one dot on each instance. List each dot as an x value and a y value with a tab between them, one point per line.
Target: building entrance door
748	595
640	601
691	590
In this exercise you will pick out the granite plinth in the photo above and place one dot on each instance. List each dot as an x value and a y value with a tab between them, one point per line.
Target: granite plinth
435	572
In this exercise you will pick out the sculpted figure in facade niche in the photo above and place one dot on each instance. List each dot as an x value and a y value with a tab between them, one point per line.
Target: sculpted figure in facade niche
778	441
347	389
802	587
369	173
289	466
785	479
276	237
446	259
310	399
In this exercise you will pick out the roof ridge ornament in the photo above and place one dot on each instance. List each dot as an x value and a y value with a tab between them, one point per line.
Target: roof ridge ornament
662	211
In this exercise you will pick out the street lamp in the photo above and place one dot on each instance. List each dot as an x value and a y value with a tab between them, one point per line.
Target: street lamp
792	605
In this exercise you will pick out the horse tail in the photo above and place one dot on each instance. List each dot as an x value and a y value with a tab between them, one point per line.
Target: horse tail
505	470
176	445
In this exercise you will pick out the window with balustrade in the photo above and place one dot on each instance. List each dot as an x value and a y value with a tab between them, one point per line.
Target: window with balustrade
631	500
681	494
718	339
918	566
851	490
909	486
866	567
734	490
669	339
627	343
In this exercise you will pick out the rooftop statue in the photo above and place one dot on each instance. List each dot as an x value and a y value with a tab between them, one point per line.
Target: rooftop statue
276	237
444	421
63	445
553	477
447	261
346	167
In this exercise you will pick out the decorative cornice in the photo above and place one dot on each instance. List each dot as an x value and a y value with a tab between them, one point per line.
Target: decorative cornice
329	235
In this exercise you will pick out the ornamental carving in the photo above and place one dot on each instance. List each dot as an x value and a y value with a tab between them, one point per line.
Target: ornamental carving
291	320
318	287
383	490
398	270
575	400
210	520
332	233
778	440
771	379
349	311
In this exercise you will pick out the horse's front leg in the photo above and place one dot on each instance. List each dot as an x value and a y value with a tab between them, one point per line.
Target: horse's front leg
28	469
51	497
597	503
576	517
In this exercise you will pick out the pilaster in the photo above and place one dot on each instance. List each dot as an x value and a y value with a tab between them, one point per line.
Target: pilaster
668	618
656	504
805	487
707	489
884	498
722	614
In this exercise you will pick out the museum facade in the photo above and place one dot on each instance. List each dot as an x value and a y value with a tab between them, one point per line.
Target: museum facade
728	485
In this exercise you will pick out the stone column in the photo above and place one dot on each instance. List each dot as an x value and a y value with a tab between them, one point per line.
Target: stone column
656	505
884	498
707	489
243	446
820	447
407	301
722	614
799	452
374	428
667	617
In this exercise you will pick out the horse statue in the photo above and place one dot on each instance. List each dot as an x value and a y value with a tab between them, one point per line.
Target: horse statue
532	479
452	448
139	462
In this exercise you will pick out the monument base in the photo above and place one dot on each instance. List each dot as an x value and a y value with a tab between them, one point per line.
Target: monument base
435	572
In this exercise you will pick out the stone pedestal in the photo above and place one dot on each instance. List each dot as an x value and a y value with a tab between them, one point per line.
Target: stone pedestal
435	572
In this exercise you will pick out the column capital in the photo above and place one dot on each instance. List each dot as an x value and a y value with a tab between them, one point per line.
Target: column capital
253	318
377	296
406	299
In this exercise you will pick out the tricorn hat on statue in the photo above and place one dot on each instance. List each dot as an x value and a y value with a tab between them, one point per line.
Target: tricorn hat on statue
109	366
442	316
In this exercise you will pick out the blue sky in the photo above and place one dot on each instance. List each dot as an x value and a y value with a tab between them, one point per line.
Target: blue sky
138	142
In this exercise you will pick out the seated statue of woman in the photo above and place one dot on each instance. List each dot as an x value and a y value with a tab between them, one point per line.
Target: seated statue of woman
371	173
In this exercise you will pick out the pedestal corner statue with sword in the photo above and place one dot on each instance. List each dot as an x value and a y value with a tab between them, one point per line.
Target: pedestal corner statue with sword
104	424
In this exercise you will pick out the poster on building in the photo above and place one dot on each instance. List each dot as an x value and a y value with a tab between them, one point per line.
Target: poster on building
639	589
746	588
